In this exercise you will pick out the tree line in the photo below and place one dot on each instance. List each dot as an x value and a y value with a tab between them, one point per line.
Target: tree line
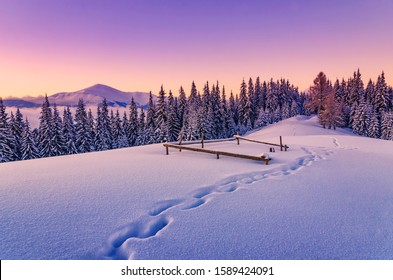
367	110
209	114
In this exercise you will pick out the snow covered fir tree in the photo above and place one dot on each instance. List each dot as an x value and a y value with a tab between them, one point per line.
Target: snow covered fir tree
366	110
209	114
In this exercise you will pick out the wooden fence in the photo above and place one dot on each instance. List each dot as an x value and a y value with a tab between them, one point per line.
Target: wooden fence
217	153
185	146
281	145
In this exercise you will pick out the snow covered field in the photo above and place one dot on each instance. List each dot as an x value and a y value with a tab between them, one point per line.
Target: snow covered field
329	197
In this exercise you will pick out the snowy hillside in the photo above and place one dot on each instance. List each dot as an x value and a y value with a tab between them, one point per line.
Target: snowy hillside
330	196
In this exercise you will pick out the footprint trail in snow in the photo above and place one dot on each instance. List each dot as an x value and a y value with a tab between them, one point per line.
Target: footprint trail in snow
163	213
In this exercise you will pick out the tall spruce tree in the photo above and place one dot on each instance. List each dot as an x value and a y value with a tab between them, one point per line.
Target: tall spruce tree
374	129
161	117
244	105
16	129
182	103
58	142
172	121
382	97
45	130
132	133
103	131
387	126
29	148
152	136
6	139
69	132
83	140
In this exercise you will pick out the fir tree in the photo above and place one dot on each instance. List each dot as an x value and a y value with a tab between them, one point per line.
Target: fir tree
6	139
173	125
319	93
69	132
361	119
45	130
233	110
16	129
193	98
382	98
217	124
114	132
161	117
152	136
370	92
132	133
263	119
331	116
252	103
182	105
374	129
119	132
387	126
294	108
143	136
244	105
271	97
90	131
58	143
103	131
83	140
29	148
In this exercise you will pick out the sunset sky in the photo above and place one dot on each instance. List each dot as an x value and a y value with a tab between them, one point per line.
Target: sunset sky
48	46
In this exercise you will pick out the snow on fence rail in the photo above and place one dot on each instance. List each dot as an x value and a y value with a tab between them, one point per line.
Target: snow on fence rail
181	146
217	153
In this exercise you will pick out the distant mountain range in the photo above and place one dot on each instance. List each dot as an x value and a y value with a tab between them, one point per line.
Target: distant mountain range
91	96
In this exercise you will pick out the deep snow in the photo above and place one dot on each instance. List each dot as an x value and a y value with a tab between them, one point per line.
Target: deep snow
329	197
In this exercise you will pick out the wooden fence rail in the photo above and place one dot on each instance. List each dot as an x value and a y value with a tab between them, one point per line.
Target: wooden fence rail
238	137
217	153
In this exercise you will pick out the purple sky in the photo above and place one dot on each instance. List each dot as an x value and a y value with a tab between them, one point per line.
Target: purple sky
49	46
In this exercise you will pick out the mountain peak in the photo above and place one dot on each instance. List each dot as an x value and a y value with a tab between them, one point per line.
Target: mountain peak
94	95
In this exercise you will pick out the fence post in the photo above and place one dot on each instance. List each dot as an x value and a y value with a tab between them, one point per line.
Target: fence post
281	143
180	139
237	138
167	150
202	142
